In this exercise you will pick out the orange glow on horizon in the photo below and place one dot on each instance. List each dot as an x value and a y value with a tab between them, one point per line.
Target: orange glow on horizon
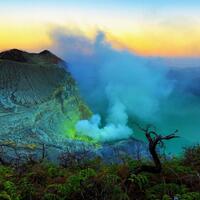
164	43
151	30
154	41
32	38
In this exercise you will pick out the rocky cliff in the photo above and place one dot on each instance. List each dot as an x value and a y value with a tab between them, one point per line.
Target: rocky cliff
39	100
39	107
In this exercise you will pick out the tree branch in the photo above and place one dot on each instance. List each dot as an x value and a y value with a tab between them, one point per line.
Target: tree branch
154	139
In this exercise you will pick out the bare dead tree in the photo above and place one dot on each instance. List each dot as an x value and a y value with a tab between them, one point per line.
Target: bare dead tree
154	139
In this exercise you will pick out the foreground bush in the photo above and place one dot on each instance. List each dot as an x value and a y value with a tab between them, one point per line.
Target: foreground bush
98	181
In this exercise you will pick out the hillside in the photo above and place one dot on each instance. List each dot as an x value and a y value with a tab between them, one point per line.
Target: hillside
39	100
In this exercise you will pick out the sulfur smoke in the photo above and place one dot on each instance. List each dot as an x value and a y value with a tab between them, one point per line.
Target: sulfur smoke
116	127
122	88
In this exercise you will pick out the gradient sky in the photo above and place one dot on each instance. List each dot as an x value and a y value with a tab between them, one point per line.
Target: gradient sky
153	28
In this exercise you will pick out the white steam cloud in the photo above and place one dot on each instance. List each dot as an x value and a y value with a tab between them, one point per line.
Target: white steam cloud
115	129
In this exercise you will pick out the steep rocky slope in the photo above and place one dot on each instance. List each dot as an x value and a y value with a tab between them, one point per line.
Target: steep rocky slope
39	100
40	105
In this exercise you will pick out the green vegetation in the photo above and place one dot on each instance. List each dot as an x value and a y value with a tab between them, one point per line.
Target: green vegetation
95	180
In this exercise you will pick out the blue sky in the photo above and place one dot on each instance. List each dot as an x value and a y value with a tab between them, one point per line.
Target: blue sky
104	3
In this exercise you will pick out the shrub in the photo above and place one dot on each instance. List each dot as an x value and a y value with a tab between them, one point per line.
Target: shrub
4	196
192	157
27	189
160	191
139	180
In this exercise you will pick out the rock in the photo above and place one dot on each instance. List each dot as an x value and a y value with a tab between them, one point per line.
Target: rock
117	152
39	100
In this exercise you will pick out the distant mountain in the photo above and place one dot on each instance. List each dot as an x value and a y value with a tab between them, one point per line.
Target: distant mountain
186	79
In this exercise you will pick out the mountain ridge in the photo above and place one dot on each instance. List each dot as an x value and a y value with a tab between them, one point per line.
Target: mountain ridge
26	57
